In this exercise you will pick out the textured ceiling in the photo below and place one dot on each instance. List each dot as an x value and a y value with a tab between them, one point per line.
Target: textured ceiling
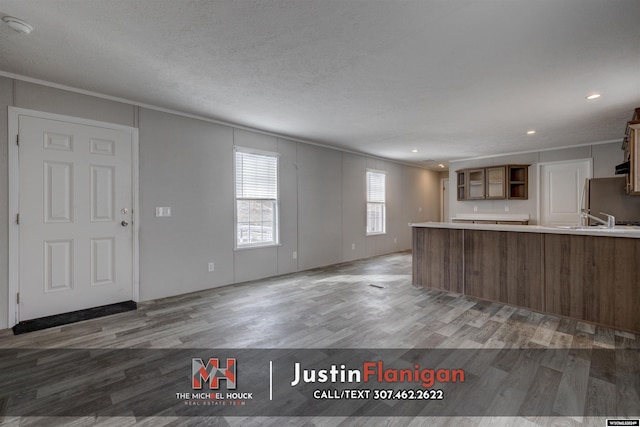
453	79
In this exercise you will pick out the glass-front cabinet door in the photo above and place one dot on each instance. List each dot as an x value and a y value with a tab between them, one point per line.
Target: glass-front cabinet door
475	183
496	182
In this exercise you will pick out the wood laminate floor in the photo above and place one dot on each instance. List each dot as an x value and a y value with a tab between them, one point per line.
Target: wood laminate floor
363	304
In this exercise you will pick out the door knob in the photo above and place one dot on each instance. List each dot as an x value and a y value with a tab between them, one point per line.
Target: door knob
124	223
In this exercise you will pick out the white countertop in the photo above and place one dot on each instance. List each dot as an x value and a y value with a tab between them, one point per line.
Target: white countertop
618	231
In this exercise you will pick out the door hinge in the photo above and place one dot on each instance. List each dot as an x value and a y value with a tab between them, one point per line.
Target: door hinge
18	140
18	298
18	219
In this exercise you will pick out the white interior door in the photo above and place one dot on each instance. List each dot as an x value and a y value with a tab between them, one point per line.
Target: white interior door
562	187
75	204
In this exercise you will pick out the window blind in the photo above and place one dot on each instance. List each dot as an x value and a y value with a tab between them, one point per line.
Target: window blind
375	187
256	176
256	183
376	210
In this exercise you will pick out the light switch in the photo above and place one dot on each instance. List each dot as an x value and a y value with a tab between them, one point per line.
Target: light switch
163	211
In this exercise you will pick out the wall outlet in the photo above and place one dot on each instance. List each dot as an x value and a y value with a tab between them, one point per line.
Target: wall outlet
212	267
353	246
506	208
295	254
475	209
420	209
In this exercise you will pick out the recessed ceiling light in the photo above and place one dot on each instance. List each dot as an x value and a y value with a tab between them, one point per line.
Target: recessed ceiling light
18	25
415	150
440	165
593	96
531	132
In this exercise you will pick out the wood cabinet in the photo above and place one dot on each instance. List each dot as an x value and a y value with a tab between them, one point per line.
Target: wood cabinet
493	183
437	258
633	146
589	278
518	182
496	182
461	192
504	266
475	184
593	279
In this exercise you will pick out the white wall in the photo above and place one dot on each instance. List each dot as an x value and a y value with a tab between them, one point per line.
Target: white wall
605	158
186	164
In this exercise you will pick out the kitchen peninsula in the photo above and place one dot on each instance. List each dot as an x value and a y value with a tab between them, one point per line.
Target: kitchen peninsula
590	274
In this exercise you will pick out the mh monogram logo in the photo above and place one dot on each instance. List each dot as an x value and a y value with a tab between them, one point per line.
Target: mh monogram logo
213	373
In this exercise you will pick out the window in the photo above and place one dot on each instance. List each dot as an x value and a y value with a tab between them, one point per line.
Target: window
256	198
376	215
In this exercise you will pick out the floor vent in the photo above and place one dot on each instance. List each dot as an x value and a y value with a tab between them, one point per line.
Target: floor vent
72	317
376	286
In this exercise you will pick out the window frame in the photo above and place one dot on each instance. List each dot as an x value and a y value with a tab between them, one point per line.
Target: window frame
383	204
276	205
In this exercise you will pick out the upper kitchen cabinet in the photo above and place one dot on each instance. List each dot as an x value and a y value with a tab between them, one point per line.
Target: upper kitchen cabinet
493	183
471	185
496	182
633	148
475	184
518	186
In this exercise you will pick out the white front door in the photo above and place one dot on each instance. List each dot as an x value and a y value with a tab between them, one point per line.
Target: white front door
75	223
562	188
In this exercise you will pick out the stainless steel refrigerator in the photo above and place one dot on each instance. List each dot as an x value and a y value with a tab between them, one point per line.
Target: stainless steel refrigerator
609	195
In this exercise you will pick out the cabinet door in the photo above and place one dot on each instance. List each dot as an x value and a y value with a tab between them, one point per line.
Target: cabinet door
475	184
634	145
461	187
496	183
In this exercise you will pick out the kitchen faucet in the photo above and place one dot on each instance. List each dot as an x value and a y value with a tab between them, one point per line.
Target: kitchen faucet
609	223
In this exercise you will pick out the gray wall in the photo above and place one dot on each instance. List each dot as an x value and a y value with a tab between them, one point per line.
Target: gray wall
605	157
187	164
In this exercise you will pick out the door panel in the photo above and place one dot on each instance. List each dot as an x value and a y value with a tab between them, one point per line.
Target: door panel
562	192
75	181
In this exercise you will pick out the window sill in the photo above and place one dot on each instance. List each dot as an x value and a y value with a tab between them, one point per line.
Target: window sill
244	248
376	234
